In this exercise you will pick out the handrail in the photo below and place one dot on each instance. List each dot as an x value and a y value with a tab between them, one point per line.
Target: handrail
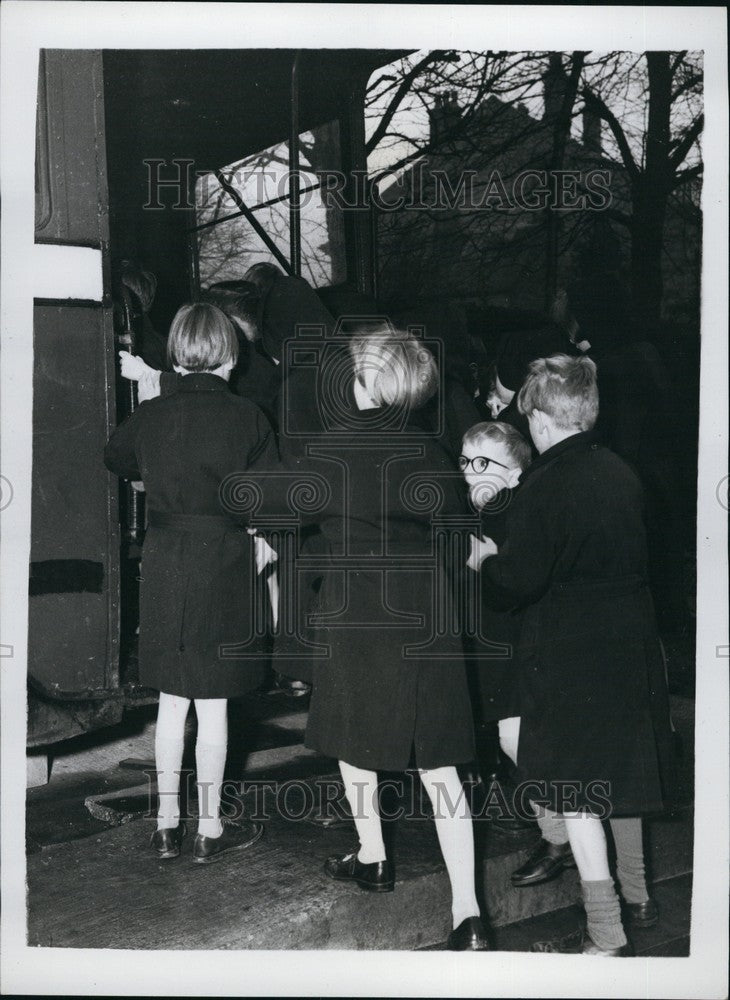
253	221
295	236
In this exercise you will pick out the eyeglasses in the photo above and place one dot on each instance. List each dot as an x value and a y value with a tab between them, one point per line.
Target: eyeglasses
479	463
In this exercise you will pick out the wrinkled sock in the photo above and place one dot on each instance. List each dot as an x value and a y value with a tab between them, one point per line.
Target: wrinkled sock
210	762
552	825
627	836
603	912
168	762
456	838
361	789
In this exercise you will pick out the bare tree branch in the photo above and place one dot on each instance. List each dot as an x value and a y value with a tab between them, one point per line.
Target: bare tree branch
599	107
687	141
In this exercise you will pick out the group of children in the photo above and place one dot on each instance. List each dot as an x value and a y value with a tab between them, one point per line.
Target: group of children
562	569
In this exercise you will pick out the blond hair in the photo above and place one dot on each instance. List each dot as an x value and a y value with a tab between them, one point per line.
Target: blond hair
495	430
405	370
201	338
564	388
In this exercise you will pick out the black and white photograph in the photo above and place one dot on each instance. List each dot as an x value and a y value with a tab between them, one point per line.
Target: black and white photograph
364	500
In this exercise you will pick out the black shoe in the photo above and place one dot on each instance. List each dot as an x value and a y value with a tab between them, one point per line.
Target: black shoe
375	877
167	842
546	862
641	914
468	936
513	826
235	837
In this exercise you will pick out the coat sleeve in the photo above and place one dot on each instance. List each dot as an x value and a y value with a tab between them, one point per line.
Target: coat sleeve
264	451
524	565
120	453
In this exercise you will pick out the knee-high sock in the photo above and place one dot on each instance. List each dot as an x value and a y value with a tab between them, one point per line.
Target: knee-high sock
552	825
169	745
603	913
456	838
509	736
210	761
627	836
361	789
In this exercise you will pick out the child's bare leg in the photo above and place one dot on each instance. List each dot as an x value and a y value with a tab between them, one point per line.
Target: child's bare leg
169	744
210	762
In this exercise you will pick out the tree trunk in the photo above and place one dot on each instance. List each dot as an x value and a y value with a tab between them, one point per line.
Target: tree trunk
649	195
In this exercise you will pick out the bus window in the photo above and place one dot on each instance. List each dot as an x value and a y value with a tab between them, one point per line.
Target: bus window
226	242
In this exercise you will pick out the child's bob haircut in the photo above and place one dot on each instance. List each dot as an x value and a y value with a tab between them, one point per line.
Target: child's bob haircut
201	338
564	388
405	372
508	436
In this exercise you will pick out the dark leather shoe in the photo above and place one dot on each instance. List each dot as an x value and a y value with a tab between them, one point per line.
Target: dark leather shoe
235	837
513	826
468	936
375	877
641	914
589	948
166	843
546	862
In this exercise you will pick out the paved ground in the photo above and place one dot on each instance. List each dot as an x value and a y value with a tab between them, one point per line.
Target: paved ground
95	886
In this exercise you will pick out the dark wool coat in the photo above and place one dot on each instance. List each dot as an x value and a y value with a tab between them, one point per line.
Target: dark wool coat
198	577
391	681
593	696
492	643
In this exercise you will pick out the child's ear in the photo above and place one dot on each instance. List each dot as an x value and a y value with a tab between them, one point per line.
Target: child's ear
513	478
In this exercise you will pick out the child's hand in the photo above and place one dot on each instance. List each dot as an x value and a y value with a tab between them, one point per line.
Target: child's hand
481	548
149	385
133	367
137	485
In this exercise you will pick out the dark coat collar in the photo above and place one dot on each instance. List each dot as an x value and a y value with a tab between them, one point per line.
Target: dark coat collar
201	382
584	439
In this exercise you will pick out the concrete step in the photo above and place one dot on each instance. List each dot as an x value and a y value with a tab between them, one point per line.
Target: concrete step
109	891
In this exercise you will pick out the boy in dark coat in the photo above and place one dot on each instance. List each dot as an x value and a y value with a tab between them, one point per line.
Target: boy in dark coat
493	457
197	579
591	698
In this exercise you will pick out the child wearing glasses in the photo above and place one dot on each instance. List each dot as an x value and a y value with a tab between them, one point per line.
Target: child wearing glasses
592	700
493	457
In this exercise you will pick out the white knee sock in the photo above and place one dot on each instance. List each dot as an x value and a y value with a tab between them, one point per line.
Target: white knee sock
169	744
210	762
552	825
168	761
456	838
361	789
